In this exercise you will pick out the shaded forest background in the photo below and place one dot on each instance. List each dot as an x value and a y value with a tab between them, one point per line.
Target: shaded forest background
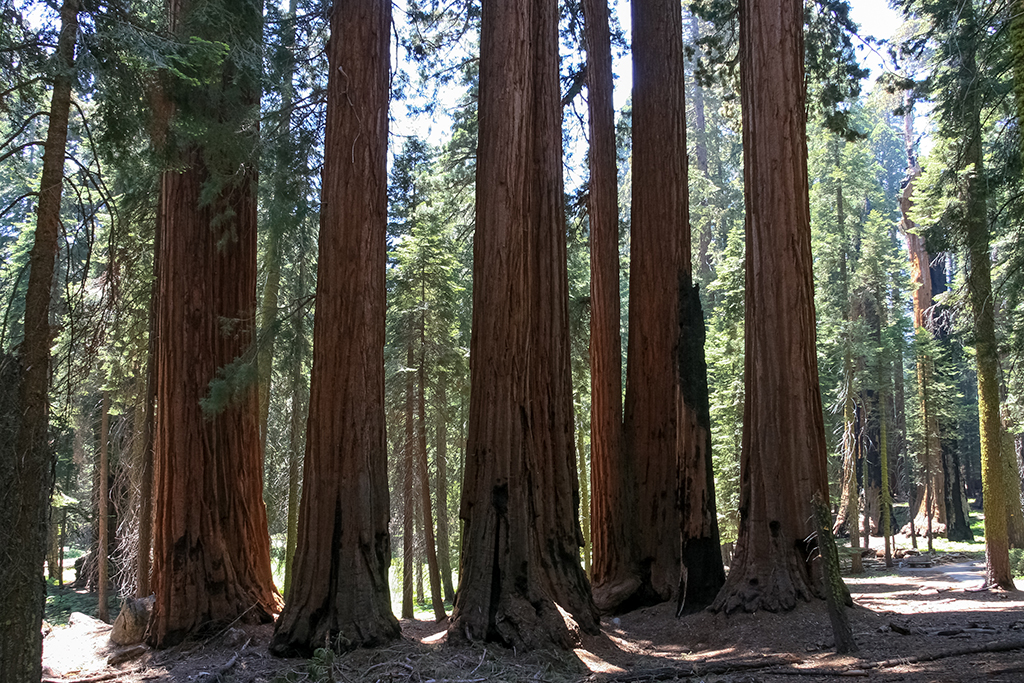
892	187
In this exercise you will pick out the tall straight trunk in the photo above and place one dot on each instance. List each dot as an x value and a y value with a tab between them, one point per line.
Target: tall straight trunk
979	289
27	465
340	592
436	596
211	560
925	513
408	500
783	463
268	332
281	221
849	505
521	580
884	376
444	543
417	519
615	573
583	473
146	457
296	431
103	514
667	423
211	546
294	473
899	422
848	518
873	408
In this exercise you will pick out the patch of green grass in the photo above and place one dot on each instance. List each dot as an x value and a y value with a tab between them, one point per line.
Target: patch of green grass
1017	562
973	549
61	602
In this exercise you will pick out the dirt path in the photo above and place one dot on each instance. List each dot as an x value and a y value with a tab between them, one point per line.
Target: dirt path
899	616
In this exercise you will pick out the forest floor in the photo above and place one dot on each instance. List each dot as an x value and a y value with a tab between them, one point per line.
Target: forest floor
916	625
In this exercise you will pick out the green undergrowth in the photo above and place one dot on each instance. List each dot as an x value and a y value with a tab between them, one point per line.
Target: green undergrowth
61	602
1017	562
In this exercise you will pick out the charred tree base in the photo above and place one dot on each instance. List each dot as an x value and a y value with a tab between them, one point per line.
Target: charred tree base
627	594
520	624
613	596
703	575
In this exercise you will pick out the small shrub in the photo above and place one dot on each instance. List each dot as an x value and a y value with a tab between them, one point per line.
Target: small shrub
1017	562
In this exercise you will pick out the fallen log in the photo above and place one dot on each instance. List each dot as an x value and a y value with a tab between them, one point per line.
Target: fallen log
670	673
994	646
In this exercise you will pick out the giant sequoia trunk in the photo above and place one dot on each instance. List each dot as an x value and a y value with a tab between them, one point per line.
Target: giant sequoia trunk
521	582
211	556
782	466
340	589
930	511
667	423
26	460
211	559
615	572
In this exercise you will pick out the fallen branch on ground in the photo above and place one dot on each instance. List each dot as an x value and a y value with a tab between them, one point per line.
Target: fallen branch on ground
861	669
698	669
110	675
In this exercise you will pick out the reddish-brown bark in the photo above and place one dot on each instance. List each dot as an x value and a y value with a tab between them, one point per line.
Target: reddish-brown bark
615	573
340	590
666	421
521	583
782	466
211	546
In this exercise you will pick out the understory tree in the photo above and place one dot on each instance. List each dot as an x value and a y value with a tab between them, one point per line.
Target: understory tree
27	459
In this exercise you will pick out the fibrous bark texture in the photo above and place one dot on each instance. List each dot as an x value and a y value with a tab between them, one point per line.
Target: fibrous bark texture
211	548
340	594
782	465
26	459
521	580
615	573
211	560
666	420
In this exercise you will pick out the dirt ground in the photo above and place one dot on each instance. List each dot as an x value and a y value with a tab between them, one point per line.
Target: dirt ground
899	615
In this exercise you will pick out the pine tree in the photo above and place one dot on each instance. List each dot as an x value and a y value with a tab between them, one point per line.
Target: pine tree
27	464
